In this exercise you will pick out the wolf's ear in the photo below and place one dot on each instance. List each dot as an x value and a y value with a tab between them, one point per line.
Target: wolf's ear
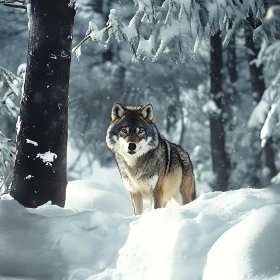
117	111
147	112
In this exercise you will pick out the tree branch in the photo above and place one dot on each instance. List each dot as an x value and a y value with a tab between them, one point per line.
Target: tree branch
11	1
84	40
15	6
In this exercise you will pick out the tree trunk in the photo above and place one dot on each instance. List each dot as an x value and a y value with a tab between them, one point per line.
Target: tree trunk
220	160
258	88
257	79
231	61
40	167
231	93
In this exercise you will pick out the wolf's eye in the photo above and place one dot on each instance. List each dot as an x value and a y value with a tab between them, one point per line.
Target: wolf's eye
123	130
141	130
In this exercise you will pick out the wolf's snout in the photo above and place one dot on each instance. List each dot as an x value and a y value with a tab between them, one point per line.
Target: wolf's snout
132	146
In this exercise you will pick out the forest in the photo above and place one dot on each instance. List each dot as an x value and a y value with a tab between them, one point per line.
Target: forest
217	96
211	70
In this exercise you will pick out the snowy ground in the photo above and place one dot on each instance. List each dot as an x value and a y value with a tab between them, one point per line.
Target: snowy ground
219	236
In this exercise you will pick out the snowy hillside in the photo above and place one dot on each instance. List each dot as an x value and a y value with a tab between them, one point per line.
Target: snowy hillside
221	236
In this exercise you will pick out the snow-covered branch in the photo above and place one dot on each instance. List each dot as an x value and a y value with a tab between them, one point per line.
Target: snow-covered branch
10	90
7	162
266	115
14	4
271	24
179	25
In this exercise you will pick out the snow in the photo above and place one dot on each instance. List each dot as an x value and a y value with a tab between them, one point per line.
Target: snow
181	24
271	124
18	125
211	108
255	255
231	235
28	177
276	179
258	115
55	247
31	142
47	157
81	195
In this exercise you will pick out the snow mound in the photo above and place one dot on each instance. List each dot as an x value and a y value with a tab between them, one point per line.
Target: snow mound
82	194
59	247
249	250
173	245
232	235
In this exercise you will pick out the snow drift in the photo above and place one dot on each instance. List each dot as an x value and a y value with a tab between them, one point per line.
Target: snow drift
232	235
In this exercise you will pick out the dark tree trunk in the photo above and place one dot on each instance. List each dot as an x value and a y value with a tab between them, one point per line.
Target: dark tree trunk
231	61
44	106
258	88
270	157
220	160
232	96
257	79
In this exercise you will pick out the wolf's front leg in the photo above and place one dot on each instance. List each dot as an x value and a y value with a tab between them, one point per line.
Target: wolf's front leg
158	198
137	203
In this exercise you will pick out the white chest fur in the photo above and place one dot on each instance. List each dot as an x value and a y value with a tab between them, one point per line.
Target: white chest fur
135	185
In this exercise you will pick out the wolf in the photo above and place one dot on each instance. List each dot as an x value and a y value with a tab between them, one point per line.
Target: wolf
151	167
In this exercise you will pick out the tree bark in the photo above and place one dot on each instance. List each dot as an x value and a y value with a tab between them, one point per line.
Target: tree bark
44	106
232	97
231	52
220	160
257	79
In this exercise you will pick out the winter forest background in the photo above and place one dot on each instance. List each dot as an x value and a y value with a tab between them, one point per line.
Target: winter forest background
211	69
219	98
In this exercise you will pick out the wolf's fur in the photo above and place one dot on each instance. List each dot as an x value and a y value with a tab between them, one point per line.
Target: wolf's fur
152	168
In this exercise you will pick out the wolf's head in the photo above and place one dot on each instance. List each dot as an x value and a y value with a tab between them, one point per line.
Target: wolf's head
132	132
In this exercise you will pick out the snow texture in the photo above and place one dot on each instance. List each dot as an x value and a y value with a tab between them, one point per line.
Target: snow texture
231	235
210	108
10	89
80	195
259	115
7	161
266	114
31	142
271	123
18	125
47	157
276	179
28	177
254	254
